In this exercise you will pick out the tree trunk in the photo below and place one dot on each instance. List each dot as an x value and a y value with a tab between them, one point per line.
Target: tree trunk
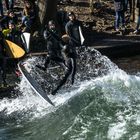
46	10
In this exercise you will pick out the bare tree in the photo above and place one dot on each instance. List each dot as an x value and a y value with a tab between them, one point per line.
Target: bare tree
47	10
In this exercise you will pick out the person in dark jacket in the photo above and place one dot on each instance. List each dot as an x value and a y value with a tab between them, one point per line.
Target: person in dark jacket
1	8
73	28
15	34
28	16
53	45
2	59
70	62
120	8
6	19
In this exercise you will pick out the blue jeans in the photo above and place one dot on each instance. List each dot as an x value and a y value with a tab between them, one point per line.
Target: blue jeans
11	4
119	19
138	23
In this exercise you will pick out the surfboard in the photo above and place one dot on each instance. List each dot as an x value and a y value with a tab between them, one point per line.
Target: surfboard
34	85
26	40
14	50
81	36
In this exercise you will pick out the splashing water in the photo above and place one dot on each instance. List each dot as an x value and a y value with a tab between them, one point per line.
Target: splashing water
102	104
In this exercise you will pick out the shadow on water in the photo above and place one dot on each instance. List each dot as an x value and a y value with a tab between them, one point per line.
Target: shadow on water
103	104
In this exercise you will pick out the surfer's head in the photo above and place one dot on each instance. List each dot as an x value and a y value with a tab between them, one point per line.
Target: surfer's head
71	15
51	24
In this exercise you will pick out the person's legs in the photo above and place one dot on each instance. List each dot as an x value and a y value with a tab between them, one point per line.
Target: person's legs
122	18
73	71
7	4
63	81
138	24
11	4
1	8
117	20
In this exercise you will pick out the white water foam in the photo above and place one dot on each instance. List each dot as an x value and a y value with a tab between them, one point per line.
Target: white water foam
33	103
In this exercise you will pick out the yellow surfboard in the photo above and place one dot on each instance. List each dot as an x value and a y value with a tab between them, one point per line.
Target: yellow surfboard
14	50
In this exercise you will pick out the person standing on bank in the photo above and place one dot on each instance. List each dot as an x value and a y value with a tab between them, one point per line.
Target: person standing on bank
138	21
2	58
53	45
74	31
1	8
120	9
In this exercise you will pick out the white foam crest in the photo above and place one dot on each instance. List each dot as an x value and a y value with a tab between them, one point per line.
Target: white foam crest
117	130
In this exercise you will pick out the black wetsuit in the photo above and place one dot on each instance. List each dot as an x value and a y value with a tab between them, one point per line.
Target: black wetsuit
53	47
72	29
2	59
70	62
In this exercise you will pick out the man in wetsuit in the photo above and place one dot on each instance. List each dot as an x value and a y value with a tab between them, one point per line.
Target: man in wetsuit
2	59
72	29
70	62
54	46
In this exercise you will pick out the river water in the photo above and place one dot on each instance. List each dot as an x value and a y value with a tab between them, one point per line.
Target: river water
103	104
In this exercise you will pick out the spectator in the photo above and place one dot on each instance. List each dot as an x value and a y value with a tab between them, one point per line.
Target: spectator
120	9
6	19
73	29
2	58
28	16
138	22
1	8
7	4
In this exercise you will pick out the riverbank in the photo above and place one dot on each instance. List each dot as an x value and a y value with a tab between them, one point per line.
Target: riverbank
99	28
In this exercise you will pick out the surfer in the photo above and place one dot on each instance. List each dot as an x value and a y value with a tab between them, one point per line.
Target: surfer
54	45
70	63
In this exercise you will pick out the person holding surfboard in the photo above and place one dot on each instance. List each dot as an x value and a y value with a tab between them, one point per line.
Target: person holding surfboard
1	8
14	34
74	31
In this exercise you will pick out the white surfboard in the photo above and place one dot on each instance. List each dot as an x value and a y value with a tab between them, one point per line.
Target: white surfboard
26	40
81	36
34	85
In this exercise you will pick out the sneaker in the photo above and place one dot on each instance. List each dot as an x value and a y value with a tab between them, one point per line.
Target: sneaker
41	68
135	32
117	30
